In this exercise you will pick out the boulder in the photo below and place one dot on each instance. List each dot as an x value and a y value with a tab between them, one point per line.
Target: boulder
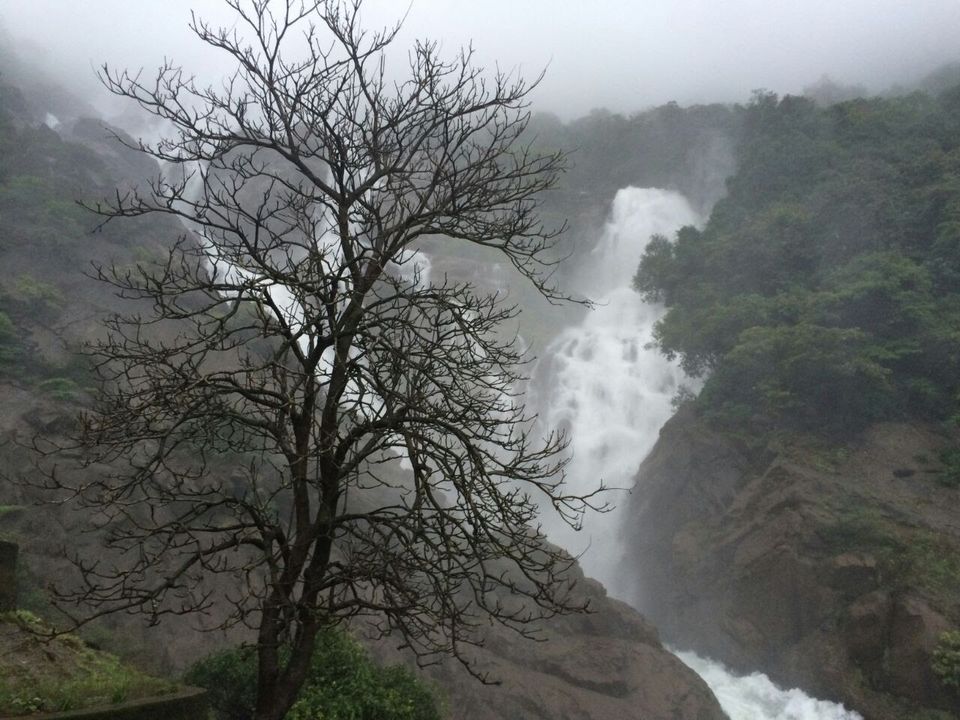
607	664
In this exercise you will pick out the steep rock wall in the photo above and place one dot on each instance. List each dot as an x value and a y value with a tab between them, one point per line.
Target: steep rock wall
831	568
607	664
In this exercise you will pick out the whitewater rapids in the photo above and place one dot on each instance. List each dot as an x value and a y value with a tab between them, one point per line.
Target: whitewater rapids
606	385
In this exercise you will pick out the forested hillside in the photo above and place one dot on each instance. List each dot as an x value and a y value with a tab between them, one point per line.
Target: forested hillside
49	242
823	294
825	290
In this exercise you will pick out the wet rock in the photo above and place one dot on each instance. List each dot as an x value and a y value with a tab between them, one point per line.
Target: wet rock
605	665
866	629
915	628
853	574
823	569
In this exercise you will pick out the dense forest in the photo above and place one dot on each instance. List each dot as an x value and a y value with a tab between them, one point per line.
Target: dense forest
824	292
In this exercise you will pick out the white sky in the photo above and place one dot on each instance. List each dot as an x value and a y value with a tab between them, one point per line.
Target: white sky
601	53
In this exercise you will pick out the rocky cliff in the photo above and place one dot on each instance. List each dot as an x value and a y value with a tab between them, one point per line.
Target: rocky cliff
608	664
835	568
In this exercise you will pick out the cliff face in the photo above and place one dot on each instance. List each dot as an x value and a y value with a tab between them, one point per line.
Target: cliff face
835	569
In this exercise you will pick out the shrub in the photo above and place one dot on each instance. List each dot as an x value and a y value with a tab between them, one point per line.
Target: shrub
230	678
344	684
38	297
946	659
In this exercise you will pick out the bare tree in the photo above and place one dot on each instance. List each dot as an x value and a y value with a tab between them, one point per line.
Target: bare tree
283	362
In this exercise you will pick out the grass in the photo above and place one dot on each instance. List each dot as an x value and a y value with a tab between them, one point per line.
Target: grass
40	674
907	556
930	561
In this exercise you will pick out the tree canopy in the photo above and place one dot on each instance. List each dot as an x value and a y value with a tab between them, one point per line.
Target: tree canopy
825	290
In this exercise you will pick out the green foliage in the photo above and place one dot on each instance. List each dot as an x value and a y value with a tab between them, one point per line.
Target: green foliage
65	674
21	190
230	678
805	373
824	293
907	557
343	684
946	659
950	475
334	692
38	296
20	359
863	529
59	388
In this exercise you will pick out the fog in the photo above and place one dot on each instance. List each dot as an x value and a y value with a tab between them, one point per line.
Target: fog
606	53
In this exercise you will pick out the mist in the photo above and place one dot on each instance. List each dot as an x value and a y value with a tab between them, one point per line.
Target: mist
617	55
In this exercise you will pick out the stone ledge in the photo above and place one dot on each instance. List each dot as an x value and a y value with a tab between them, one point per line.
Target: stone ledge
188	704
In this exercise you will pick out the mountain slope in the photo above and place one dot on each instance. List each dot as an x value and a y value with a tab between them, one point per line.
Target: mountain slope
604	665
831	568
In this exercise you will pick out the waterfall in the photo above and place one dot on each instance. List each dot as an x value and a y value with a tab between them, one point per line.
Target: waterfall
604	383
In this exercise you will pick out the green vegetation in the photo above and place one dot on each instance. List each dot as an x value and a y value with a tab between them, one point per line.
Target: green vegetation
950	475
11	349
10	509
43	674
46	239
929	560
946	659
667	146
60	388
344	684
863	529
37	296
906	556
824	293
24	304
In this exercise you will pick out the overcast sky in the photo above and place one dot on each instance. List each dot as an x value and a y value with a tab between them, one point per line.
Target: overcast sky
601	53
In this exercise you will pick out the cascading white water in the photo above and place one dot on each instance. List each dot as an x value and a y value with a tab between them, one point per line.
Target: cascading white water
755	697
605	384
602	384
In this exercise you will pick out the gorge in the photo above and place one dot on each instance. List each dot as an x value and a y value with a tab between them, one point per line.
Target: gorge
794	526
